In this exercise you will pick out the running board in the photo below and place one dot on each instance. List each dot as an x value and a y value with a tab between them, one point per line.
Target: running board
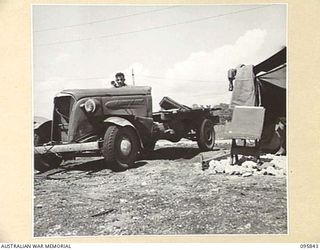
74	147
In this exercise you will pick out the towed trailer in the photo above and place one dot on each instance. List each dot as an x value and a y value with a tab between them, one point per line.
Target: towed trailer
118	124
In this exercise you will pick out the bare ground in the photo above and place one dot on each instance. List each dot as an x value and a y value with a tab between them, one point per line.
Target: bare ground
167	193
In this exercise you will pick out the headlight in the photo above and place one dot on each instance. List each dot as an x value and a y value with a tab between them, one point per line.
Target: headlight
90	106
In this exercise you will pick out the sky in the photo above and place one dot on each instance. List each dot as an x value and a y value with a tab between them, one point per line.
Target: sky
181	51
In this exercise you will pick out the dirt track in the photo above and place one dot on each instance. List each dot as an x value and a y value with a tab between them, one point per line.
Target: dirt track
167	193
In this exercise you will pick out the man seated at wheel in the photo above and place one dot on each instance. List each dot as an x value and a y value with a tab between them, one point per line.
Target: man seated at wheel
120	80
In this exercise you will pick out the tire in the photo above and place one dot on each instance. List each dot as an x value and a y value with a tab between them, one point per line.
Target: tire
46	162
206	135
120	147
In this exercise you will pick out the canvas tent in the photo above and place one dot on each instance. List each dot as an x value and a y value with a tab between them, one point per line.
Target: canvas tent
263	85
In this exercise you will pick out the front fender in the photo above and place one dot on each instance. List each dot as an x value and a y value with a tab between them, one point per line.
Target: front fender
119	121
39	121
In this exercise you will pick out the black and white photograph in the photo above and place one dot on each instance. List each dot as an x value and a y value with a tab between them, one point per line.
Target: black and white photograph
159	120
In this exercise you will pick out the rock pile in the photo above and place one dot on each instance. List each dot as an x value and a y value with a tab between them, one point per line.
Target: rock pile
271	165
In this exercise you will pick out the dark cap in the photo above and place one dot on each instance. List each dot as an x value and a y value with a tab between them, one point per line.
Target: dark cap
120	74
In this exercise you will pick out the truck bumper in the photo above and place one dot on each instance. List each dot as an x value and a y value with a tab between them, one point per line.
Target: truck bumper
67	148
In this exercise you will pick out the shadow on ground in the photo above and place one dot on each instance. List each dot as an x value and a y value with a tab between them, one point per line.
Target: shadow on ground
174	153
78	169
88	166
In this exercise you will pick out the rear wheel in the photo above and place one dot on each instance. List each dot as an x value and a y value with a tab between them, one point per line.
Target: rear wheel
206	135
120	147
45	162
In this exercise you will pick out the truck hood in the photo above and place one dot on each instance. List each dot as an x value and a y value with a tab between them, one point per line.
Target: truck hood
128	90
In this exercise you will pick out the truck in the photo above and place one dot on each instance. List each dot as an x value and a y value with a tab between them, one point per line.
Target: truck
118	124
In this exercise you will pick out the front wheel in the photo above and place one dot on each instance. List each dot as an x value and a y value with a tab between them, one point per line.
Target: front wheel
120	147
206	135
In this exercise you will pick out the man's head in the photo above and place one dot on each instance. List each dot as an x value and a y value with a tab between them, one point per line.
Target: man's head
120	79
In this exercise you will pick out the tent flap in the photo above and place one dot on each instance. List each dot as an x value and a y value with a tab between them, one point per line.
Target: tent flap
275	77
272	62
